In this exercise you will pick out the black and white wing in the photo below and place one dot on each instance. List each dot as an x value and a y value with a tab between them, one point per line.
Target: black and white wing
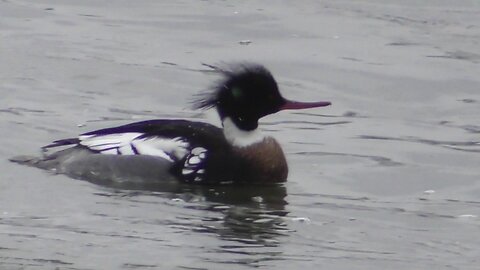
186	144
172	149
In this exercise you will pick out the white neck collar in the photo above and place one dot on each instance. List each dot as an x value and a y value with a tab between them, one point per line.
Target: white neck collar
238	137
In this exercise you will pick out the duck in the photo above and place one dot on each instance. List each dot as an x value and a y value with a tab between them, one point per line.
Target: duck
191	152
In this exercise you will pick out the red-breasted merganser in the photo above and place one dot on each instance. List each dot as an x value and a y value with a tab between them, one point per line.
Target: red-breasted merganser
193	152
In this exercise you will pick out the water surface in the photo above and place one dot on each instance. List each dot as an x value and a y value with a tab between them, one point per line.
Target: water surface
386	178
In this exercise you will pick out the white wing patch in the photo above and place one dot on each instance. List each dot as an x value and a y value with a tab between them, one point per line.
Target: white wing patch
132	143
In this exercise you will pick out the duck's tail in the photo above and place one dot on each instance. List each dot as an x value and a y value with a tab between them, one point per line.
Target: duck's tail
26	160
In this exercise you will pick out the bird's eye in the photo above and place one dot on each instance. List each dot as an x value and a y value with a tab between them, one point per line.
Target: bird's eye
237	93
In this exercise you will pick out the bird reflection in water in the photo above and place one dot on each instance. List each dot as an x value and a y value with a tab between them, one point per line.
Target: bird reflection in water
246	214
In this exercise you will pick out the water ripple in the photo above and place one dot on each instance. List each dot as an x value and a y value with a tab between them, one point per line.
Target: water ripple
466	146
382	161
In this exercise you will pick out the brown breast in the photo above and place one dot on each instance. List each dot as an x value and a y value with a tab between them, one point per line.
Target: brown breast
264	162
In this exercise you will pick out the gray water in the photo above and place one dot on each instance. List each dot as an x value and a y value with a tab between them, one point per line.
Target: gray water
386	178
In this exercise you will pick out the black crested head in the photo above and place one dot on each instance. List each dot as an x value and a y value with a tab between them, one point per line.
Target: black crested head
246	93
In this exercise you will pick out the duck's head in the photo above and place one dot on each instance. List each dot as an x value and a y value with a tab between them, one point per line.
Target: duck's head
246	93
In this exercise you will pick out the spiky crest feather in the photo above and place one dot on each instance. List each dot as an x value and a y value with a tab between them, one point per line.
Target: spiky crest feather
210	98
